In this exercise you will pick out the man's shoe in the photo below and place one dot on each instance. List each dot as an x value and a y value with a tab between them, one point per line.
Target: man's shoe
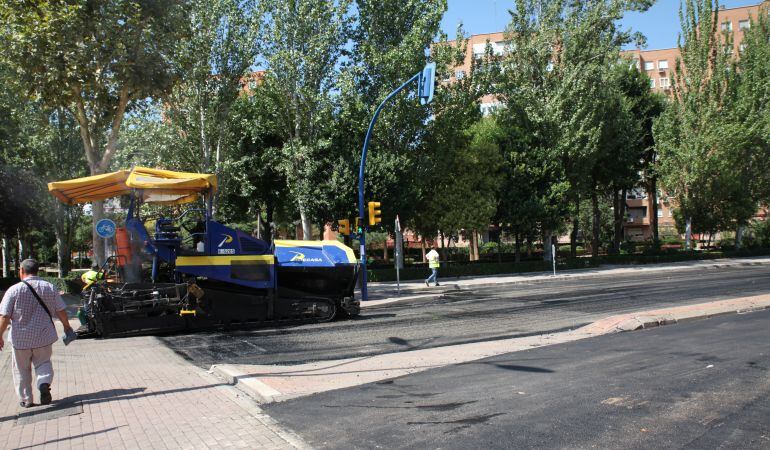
427	284
438	284
45	394
26	404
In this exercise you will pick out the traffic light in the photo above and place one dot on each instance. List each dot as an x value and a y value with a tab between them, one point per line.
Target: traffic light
343	226
359	229
374	213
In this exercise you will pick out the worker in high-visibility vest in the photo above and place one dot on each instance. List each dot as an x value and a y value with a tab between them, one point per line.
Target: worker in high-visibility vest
91	277
433	264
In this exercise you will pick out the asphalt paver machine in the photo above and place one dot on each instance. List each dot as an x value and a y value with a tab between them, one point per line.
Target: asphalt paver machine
193	272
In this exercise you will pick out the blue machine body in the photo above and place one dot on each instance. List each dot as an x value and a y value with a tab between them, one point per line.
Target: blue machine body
224	254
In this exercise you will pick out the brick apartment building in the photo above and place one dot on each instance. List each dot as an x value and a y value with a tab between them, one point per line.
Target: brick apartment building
659	65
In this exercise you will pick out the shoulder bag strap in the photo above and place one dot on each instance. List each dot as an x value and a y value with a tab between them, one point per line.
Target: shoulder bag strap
39	300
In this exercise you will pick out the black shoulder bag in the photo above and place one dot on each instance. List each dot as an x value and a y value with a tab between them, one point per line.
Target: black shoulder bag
39	300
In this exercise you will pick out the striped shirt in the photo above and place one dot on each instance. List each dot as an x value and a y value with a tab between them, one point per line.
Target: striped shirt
31	326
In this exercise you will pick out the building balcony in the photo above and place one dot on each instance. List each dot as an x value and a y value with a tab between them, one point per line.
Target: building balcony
636	202
637	221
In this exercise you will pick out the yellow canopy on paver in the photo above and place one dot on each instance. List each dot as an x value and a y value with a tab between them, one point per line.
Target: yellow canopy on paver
154	186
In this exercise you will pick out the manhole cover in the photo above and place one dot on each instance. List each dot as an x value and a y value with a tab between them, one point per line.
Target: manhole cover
49	412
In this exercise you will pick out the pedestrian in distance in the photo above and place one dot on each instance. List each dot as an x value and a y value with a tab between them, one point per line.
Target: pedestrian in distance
28	306
433	264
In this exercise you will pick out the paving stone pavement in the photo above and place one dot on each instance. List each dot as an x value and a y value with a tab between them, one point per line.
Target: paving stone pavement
134	393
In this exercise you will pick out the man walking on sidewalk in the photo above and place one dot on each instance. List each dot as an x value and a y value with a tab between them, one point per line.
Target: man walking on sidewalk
434	265
29	307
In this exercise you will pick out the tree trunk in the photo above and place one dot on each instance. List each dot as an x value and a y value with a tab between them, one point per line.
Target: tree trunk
500	245
688	234
23	251
270	229
653	196
474	246
596	223
6	259
17	260
739	236
307	227
385	249
422	247
547	238
617	222
443	247
100	252
575	227
517	250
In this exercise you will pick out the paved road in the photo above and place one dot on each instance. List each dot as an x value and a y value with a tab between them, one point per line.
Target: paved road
472	316
698	384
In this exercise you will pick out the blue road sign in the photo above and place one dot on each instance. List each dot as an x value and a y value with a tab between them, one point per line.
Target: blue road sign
105	228
427	83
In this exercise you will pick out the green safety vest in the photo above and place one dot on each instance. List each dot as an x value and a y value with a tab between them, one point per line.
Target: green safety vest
91	277
433	263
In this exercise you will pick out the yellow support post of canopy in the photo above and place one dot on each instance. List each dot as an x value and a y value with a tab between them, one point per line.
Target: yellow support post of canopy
154	186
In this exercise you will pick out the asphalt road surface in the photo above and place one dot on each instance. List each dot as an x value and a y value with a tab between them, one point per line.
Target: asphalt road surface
698	384
472	316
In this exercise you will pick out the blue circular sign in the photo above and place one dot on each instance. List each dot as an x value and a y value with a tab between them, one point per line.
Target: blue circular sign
105	228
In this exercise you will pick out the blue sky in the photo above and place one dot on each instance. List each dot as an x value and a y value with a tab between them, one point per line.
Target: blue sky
660	23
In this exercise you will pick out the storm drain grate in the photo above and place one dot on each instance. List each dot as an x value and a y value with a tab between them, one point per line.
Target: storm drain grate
55	411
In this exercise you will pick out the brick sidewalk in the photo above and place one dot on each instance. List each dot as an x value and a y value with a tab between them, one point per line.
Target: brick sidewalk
134	393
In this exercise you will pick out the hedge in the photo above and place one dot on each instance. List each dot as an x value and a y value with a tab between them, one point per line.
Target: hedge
69	285
454	269
463	269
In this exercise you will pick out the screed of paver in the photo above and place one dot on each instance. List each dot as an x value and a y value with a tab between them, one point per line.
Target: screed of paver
270	383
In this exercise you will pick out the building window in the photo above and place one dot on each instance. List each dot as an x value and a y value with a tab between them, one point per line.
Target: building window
649	65
660	212
663	64
670	213
742	47
478	50
744	24
652	83
460	74
727	26
664	83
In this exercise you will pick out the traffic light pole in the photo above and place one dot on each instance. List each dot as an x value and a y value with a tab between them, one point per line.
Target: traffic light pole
361	207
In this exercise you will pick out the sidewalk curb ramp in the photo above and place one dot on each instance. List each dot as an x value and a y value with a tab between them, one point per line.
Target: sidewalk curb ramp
417	291
275	383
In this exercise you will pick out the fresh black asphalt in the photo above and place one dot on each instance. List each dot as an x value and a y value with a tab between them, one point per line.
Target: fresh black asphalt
698	384
472	315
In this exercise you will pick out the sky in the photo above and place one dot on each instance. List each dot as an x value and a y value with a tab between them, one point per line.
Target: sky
660	24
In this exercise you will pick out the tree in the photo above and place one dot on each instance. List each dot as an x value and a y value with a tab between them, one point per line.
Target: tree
752	111
213	63
303	42
554	87
389	43
95	59
694	134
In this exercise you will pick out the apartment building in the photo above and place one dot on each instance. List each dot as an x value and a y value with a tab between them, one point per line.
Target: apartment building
659	64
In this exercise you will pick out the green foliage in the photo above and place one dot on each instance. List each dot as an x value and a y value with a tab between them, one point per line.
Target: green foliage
713	155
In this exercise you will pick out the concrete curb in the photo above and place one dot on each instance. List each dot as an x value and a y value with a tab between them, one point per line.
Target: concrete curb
252	387
275	383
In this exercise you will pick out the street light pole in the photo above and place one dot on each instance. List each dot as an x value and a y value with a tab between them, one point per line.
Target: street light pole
425	92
